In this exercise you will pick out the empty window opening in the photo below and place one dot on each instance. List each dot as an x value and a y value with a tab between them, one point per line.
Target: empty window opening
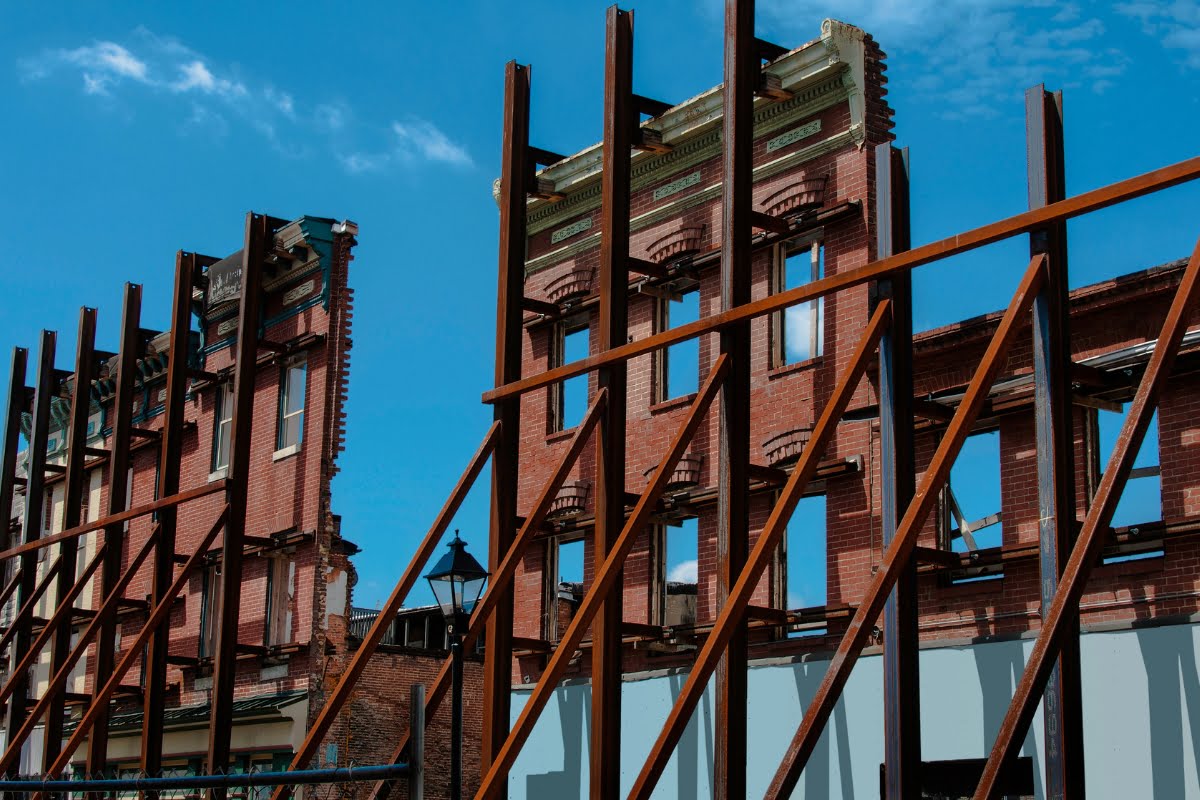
564	584
571	342
677	568
1141	498
799	330
803	556
971	518
677	368
290	428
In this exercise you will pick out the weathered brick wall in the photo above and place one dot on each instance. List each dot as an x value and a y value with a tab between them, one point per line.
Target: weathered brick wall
289	494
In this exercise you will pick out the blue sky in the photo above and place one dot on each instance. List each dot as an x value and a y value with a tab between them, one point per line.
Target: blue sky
140	129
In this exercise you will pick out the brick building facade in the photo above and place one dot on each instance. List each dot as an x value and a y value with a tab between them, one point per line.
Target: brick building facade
813	163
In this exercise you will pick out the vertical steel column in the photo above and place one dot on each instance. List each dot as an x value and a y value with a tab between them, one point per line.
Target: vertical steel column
733	479
1062	702
246	354
118	484
620	122
897	466
31	525
81	402
515	174
170	453
17	401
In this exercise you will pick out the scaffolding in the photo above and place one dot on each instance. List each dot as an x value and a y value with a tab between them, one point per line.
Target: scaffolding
1066	555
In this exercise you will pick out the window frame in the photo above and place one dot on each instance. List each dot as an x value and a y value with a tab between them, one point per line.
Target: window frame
222	404
778	283
297	364
211	584
556	407
277	619
671	293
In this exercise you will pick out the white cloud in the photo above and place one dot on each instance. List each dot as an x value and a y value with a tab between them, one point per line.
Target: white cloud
423	139
153	68
684	572
195	76
1176	24
966	57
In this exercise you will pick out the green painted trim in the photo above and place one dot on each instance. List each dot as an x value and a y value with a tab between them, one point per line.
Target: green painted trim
703	146
653	217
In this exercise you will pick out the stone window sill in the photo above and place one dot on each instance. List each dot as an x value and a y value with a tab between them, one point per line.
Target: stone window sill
286	452
789	369
673	403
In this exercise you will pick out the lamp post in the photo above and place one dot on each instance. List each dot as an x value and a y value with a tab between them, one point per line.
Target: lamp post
457	582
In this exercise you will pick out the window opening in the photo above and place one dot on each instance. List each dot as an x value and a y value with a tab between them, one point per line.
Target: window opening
1141	499
677	367
676	572
799	330
224	426
571	342
564	584
803	558
971	516
291	404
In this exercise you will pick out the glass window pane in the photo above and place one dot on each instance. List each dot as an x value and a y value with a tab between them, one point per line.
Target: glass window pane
294	396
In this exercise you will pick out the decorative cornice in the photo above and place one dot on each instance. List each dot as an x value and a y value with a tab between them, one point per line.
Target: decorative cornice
666	210
651	168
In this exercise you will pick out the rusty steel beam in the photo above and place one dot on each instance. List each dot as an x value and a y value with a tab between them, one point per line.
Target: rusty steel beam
514	168
500	580
31	525
160	611
341	693
66	583
1023	223
118	484
1054	422
734	611
897	470
169	465
620	123
603	584
25	611
12	441
896	556
1056	621
113	519
738	218
59	679
220	721
63	612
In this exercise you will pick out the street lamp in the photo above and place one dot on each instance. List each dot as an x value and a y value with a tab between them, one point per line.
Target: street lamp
457	582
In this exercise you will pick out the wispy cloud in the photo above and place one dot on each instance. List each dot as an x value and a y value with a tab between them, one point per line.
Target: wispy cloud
684	572
416	140
1176	24
149	67
969	58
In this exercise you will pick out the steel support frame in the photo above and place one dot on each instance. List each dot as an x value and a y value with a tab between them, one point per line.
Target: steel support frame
17	402
1056	621
163	568
896	556
118	484
35	496
220	722
742	69
516	175
620	125
733	613
603	584
897	473
66	583
1054	422
501	580
358	663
